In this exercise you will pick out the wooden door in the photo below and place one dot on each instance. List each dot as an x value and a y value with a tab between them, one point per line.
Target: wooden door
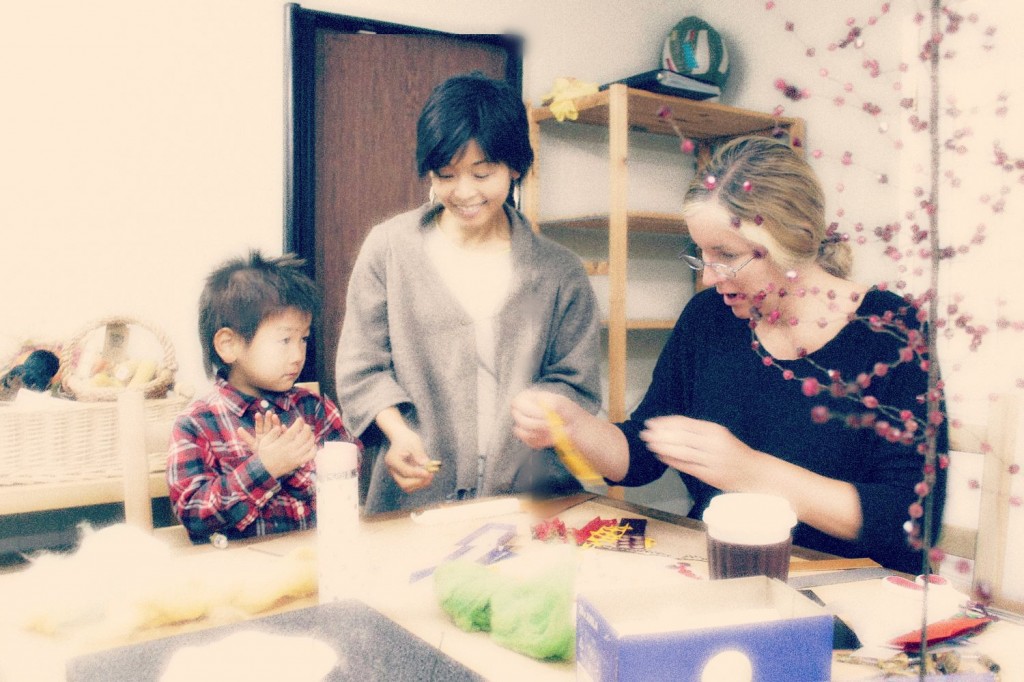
357	90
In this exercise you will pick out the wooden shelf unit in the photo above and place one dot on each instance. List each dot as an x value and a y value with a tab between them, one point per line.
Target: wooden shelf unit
623	110
639	221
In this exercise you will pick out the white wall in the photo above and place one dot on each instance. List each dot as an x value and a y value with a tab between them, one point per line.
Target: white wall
138	147
142	142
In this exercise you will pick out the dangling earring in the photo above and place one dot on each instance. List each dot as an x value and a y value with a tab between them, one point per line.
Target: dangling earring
432	197
516	199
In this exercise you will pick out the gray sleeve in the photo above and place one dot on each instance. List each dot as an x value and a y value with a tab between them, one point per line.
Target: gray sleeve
572	358
363	369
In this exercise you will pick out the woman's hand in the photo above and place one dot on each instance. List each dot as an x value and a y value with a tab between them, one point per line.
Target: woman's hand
407	461
710	452
530	422
536	413
705	450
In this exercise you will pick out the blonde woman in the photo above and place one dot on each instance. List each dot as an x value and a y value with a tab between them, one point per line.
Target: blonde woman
781	376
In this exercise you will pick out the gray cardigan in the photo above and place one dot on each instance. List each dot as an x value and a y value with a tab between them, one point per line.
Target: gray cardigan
406	342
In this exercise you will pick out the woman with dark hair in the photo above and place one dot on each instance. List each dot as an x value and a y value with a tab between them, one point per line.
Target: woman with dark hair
455	307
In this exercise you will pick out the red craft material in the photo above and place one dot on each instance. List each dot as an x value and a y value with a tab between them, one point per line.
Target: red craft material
583	534
554	529
551	529
941	631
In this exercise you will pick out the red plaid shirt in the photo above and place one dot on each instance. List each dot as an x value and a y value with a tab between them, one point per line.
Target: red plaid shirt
218	485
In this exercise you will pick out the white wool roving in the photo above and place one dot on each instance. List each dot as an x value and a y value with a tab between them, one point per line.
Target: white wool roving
27	656
121	580
62	591
258	586
281	657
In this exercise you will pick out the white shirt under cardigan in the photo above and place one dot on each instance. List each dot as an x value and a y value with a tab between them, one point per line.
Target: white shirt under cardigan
407	341
480	280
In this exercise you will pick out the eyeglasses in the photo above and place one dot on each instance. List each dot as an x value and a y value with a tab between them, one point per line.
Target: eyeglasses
720	269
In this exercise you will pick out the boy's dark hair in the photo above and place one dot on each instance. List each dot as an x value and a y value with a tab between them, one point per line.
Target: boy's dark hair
243	292
473	107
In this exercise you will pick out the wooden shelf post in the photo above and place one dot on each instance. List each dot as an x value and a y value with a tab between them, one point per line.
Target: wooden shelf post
618	247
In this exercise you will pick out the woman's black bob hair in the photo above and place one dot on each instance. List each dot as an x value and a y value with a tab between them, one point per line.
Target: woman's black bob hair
473	107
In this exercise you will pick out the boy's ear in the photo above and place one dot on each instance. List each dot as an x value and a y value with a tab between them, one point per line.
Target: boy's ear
228	345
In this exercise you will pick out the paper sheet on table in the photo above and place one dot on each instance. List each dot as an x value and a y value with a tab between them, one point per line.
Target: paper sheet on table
605	569
251	655
878	612
455	513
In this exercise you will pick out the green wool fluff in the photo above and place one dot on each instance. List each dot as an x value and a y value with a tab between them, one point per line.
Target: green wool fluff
464	589
533	616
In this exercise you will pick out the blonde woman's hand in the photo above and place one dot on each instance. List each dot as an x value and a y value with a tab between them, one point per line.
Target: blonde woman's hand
703	449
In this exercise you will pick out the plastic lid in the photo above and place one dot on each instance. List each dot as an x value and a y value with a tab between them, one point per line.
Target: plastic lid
749	518
337	457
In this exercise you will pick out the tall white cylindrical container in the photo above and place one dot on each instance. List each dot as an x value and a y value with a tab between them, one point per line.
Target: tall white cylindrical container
337	519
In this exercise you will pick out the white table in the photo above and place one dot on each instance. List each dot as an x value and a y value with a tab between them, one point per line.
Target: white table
393	547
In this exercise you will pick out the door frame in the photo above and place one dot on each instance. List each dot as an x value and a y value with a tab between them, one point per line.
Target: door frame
301	27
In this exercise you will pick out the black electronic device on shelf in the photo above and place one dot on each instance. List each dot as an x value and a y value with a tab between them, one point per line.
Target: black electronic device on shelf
666	82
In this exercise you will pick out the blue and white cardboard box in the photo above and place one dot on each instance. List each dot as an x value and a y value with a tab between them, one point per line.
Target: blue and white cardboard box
755	628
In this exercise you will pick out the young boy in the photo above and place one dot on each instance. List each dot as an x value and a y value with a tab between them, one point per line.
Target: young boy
241	458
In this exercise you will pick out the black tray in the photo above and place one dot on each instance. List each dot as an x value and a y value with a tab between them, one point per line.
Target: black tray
369	646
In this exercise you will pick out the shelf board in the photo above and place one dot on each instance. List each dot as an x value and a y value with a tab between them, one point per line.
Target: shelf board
641	323
638	221
699	120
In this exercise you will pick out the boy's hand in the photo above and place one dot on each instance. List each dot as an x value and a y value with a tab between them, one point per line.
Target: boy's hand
408	463
263	424
282	450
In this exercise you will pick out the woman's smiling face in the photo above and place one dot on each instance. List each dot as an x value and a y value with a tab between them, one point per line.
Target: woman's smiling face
472	188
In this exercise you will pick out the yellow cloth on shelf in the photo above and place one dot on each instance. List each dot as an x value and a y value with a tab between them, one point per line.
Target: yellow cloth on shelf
563	92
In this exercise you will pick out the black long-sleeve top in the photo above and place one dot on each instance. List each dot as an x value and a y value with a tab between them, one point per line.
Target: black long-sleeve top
709	370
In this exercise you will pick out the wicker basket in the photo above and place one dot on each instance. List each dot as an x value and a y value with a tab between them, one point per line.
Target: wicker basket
69	441
77	386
